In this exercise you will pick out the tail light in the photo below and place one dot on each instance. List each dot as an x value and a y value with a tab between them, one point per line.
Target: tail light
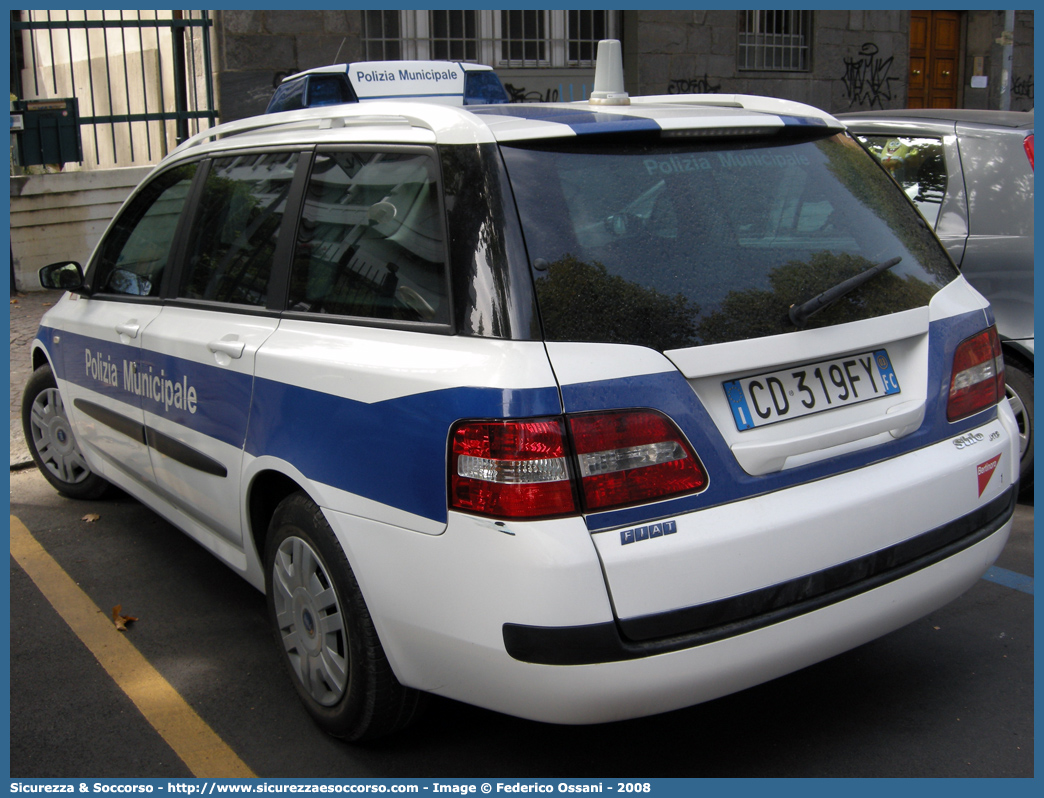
632	457
525	468
978	375
511	469
1028	144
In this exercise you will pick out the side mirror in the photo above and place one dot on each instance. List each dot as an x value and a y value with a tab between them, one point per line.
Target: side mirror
67	276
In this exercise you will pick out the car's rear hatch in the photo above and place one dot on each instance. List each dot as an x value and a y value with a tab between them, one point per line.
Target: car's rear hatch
682	274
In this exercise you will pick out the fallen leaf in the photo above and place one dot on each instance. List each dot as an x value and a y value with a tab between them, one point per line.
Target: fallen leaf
121	621
14	301
90	518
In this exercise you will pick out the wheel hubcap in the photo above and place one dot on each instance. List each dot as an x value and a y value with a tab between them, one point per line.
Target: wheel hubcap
310	621
53	438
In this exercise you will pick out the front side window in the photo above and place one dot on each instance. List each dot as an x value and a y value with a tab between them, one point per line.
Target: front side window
139	245
670	246
918	164
370	242
236	229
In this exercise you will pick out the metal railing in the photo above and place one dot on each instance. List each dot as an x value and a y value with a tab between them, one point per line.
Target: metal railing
143	79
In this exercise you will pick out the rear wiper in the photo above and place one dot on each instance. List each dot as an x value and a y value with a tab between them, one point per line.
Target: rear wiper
799	313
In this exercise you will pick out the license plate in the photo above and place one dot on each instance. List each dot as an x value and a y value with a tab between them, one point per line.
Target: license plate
792	393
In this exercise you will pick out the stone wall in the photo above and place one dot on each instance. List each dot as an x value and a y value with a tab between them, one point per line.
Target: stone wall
59	217
859	58
257	49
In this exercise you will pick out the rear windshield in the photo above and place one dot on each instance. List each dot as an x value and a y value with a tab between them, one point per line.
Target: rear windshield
677	246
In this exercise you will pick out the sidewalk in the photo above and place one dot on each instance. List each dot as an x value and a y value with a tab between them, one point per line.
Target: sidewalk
26	310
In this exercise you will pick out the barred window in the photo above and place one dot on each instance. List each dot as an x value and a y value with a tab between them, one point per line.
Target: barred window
454	35
779	41
526	38
382	37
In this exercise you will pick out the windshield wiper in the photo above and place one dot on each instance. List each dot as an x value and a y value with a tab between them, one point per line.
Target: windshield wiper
799	313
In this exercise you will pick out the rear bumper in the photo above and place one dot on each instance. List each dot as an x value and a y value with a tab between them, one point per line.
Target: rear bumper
676	630
664	682
544	620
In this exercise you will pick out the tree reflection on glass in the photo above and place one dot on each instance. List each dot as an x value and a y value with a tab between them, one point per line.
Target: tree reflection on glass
618	310
627	312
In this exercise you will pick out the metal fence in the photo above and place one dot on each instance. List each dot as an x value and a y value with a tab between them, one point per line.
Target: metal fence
143	79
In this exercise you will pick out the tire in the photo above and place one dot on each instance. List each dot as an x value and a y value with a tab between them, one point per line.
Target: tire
342	675
1019	388
51	442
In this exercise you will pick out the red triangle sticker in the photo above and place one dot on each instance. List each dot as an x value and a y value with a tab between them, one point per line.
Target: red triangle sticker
985	472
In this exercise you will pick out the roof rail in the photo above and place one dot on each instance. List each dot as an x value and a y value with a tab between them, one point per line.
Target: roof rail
749	102
318	118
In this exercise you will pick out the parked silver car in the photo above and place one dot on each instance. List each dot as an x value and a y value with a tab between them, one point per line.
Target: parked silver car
970	173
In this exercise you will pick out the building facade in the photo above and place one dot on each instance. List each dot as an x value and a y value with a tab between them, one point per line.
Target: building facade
146	80
836	60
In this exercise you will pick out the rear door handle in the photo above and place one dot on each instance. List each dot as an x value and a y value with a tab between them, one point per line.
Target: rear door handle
129	328
227	346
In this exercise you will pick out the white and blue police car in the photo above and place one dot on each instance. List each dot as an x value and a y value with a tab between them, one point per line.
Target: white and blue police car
578	412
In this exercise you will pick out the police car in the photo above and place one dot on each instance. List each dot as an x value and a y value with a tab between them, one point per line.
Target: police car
578	412
447	82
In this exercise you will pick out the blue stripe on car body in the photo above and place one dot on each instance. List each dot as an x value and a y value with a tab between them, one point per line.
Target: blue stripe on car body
327	437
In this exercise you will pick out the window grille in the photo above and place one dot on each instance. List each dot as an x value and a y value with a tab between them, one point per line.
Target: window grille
779	41
453	35
382	38
527	38
524	39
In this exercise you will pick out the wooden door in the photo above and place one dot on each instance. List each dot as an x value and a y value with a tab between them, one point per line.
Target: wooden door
935	38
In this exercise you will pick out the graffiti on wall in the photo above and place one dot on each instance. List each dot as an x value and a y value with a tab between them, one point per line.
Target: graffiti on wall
518	94
866	77
1022	87
692	86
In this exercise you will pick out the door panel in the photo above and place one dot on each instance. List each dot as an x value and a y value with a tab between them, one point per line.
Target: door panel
98	349
201	366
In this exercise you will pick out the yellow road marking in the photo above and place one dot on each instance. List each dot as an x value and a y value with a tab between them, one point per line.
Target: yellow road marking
205	754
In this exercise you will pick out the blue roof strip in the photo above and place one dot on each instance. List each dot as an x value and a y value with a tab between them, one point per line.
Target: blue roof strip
803	120
582	122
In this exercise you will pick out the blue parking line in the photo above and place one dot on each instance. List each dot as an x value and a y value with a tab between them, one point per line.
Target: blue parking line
1002	576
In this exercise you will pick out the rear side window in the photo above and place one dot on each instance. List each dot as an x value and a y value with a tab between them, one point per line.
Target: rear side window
135	252
677	246
237	224
370	241
918	164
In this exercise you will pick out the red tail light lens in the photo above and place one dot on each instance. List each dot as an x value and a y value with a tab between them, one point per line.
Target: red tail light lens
978	375
631	457
524	468
1028	144
511	469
